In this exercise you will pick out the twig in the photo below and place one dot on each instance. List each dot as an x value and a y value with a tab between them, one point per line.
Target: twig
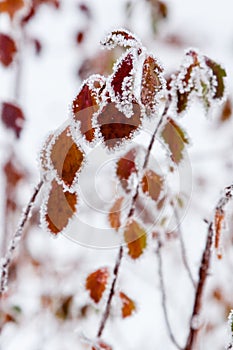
6	261
191	343
182	245
164	298
131	212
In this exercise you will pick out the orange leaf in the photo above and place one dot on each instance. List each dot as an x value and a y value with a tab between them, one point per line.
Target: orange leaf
66	157
152	84
84	106
59	208
218	221
96	283
135	238
7	49
152	184
175	138
128	305
11	6
126	166
114	215
115	127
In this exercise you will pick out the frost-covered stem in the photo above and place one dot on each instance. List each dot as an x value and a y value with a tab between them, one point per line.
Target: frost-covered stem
6	260
230	321
182	246
131	212
111	293
191	343
164	297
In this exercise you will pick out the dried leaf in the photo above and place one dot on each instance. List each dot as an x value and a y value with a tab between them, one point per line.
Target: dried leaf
152	84
96	283
84	106
114	215
128	305
126	166
219	73
115	127
175	138
59	208
226	112
7	49
152	184
135	238
218	223
120	38
13	117
11	7
63	310
13	173
66	158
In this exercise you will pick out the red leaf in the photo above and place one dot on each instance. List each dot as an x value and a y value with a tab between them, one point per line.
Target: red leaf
11	6
12	118
103	346
123	71
115	127
84	106
114	215
59	208
126	166
96	283
152	84
7	49
66	157
135	238
80	37
152	184
128	305
120	38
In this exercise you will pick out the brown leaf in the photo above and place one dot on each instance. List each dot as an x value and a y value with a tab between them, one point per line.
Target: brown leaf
115	127
84	106
126	166
226	112
96	283
7	49
175	138
218	222
11	7
152	84
13	117
135	238
114	215
59	208
66	157
128	305
152	184
63	310
120	38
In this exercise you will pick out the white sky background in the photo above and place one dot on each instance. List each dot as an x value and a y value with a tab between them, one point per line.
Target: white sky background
49	85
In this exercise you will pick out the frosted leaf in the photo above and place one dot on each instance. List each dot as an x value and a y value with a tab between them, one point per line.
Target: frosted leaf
217	81
230	322
66	158
175	138
44	158
96	344
152	184
85	104
151	85
114	127
114	215
136	238
121	37
58	208
126	166
96	283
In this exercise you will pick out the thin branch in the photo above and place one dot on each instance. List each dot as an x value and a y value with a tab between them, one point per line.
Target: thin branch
131	212
6	261
182	245
192	339
164	298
